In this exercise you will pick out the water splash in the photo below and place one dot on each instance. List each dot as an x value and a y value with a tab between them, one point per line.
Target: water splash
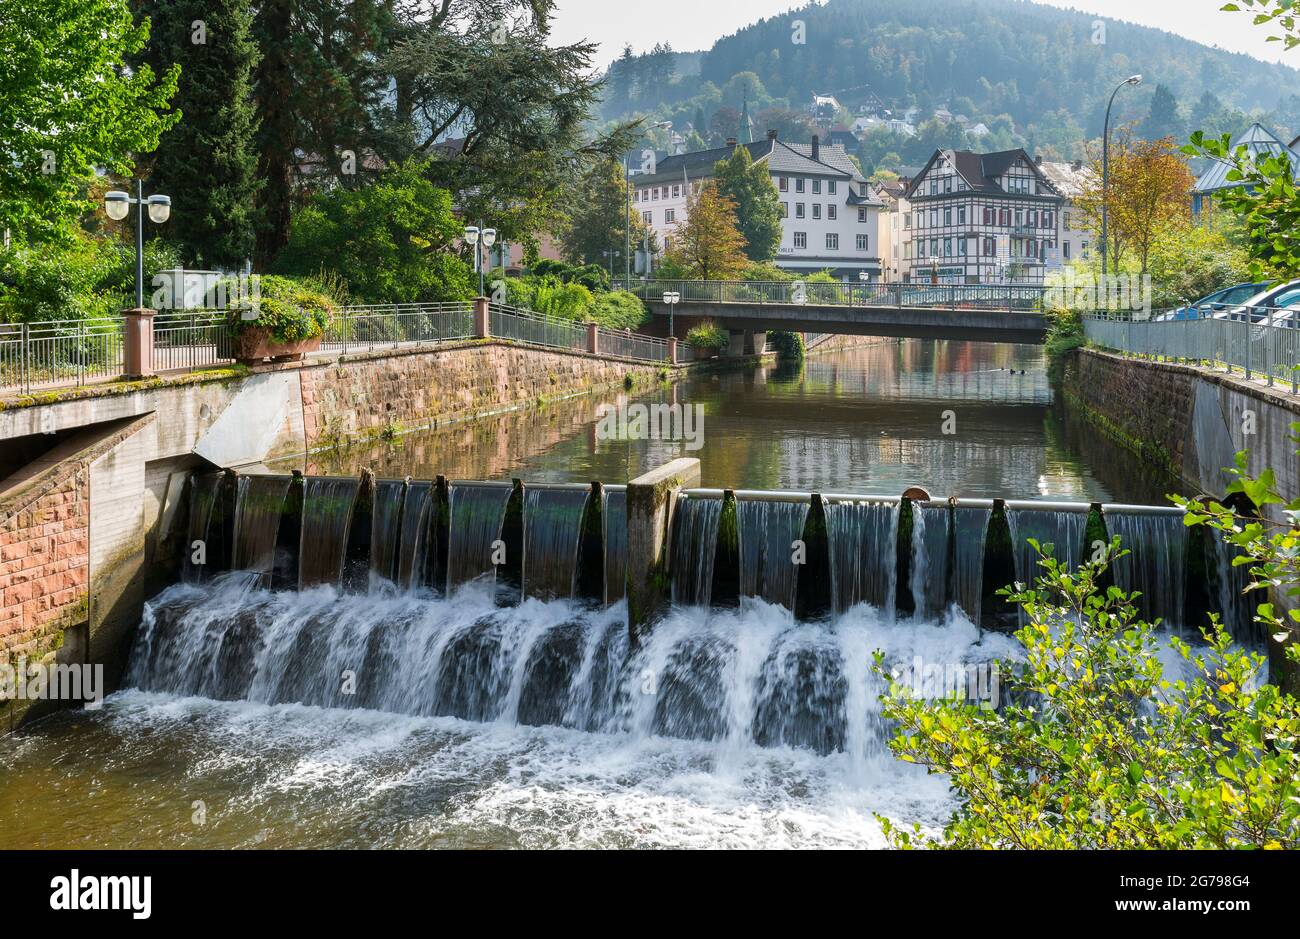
929	575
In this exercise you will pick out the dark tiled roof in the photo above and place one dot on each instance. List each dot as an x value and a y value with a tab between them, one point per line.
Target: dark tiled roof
980	170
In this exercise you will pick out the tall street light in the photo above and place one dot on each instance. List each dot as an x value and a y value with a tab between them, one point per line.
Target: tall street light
488	236
1105	173
117	206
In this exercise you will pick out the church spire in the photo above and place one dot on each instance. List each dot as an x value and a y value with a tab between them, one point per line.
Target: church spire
745	133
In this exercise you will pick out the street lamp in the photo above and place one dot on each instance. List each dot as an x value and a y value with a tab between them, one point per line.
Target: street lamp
474	235
117	206
1105	172
671	298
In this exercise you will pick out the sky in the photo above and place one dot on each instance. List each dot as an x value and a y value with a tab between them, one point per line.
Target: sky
691	25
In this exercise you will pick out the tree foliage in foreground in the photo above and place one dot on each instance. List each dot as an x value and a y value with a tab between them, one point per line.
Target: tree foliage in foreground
1098	748
70	105
709	246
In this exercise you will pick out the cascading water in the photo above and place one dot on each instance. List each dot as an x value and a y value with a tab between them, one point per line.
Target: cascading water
863	550
694	545
259	506
1156	562
417	517
970	533
385	545
552	529
768	531
327	506
615	521
477	513
929	576
1230	582
1063	530
204	489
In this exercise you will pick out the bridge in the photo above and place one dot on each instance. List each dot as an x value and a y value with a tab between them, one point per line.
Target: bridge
978	312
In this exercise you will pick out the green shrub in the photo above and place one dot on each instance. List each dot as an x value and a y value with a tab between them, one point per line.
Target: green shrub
592	276
766	271
789	346
1064	332
708	335
618	310
1095	747
563	301
290	310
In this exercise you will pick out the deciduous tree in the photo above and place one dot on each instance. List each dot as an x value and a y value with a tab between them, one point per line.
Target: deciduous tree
710	246
758	205
599	219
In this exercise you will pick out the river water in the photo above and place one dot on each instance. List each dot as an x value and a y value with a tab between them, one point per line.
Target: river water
755	730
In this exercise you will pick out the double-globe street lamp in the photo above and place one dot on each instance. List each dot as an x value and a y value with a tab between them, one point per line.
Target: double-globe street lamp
672	298
488	236
117	206
1105	172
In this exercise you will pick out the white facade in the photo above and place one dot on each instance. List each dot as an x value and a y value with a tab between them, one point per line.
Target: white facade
831	219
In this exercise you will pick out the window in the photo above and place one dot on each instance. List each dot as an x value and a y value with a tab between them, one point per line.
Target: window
989	217
648	218
801	239
670	215
1048	219
677	191
862	215
831	186
832	241
1033	217
817	210
1083	249
862	243
1020	217
817	187
832	212
934	247
798	210
934	187
785	210
990	247
947	216
783	183
961	215
1032	251
1065	248
798	185
907	218
1004	217
947	184
636	195
961	247
1065	221
947	247
656	193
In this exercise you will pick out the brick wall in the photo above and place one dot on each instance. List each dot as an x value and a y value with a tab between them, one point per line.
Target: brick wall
367	395
44	567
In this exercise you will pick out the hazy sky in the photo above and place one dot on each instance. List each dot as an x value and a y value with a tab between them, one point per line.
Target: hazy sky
690	25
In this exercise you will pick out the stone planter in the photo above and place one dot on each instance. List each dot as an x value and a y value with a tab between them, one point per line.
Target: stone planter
254	345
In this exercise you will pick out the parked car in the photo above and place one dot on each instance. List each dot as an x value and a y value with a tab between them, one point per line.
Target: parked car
1281	299
1213	303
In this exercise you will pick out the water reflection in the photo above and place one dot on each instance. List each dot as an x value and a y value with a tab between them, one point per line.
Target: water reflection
959	418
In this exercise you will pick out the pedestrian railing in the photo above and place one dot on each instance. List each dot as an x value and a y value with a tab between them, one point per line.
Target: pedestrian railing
57	353
66	353
394	325
1265	346
1010	298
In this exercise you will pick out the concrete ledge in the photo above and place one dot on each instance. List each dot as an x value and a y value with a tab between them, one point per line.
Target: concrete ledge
651	501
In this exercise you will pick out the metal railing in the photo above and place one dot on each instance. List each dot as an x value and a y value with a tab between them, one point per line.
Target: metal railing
57	353
1265	347
191	339
395	325
64	353
1009	298
520	325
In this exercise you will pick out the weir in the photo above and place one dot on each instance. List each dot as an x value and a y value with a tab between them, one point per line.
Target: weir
430	631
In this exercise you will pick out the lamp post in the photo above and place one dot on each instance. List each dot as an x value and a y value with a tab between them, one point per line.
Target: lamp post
488	236
1105	172
672	298
117	206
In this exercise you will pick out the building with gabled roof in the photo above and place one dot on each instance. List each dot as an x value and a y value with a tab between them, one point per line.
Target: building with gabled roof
829	212
980	218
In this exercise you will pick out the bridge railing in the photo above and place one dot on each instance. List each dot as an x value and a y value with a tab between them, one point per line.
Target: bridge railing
55	353
1265	346
393	325
1011	298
